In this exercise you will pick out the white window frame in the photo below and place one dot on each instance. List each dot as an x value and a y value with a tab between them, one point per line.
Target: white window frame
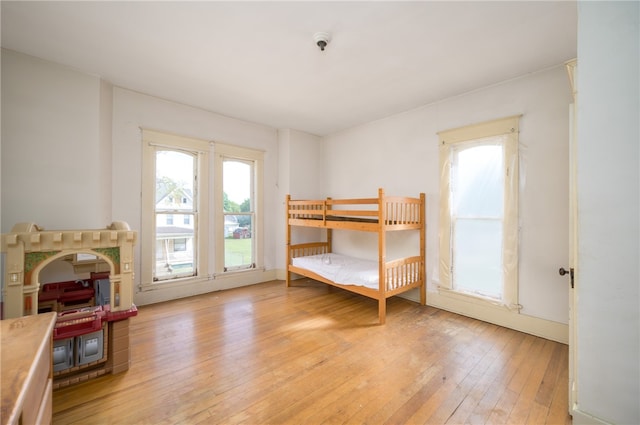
210	220
224	152
152	142
508	128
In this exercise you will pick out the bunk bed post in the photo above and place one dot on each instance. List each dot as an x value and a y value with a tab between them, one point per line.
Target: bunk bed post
382	310
382	258
288	240
423	252
327	206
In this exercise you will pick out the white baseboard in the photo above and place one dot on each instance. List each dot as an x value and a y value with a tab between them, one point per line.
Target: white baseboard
172	291
581	418
501	316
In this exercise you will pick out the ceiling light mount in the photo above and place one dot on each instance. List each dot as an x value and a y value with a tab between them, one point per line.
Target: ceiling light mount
322	39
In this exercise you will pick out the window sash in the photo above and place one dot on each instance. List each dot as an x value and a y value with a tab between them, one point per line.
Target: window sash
253	157
507	129
154	142
230	258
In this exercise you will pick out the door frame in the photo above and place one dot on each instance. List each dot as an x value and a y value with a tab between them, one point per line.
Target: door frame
573	239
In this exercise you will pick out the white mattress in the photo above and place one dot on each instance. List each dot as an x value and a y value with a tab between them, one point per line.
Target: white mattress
341	269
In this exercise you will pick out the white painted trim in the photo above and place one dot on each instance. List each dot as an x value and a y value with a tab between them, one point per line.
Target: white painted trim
151	142
228	281
501	316
502	132
582	418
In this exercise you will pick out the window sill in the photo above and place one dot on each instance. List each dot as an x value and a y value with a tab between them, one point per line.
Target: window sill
233	272
225	279
492	312
172	283
477	299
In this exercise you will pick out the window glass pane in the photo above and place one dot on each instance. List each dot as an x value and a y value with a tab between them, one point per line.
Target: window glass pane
238	214
174	180
478	181
477	194
477	257
175	255
236	186
175	238
238	246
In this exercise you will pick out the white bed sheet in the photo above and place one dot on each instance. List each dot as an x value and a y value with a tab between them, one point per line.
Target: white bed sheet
341	269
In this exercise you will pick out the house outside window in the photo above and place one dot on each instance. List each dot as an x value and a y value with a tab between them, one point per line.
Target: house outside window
180	245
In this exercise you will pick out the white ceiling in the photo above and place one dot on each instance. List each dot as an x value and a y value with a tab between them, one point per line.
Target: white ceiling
257	61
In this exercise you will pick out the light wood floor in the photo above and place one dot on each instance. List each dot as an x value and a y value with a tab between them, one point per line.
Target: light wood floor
311	354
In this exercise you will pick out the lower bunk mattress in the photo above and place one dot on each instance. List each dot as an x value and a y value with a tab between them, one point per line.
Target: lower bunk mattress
341	269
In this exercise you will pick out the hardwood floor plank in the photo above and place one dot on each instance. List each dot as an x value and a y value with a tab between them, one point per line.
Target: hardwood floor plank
530	386
559	404
547	388
310	354
480	385
486	405
379	380
462	376
537	414
503	407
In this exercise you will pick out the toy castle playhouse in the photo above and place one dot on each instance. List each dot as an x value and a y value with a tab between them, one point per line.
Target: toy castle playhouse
91	334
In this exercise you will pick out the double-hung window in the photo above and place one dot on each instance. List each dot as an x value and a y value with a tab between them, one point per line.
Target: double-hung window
479	211
201	204
174	204
237	213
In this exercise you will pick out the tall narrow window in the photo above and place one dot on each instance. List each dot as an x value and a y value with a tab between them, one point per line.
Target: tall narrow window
477	218
174	227
238	213
479	196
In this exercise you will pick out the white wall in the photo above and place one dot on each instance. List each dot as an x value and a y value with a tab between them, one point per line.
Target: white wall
400	154
608	277
1	255
51	146
300	174
300	164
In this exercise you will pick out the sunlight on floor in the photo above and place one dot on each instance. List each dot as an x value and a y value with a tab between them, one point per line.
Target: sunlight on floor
311	324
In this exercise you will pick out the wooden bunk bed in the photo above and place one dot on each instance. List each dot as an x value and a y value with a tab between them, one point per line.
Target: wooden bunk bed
379	215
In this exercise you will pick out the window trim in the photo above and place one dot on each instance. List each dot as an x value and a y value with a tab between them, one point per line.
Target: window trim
221	152
509	128
153	141
209	223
